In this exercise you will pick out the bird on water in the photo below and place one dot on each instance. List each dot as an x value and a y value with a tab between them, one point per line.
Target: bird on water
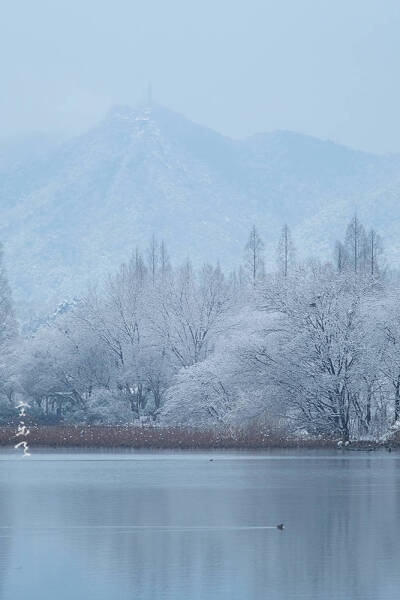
280	526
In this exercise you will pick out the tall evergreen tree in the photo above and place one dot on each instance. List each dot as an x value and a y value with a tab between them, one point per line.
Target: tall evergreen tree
153	258
356	246
340	257
254	260
286	252
374	253
165	263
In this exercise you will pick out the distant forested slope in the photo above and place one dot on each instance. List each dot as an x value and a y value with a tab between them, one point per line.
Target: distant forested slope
73	210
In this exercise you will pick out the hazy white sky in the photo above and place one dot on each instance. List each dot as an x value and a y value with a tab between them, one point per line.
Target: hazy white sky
329	68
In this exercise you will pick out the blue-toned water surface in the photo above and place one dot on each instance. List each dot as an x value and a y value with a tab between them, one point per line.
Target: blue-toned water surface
179	526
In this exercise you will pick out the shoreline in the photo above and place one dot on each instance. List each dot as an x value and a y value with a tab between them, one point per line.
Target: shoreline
173	438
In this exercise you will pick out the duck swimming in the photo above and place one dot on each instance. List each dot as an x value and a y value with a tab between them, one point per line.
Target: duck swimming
280	526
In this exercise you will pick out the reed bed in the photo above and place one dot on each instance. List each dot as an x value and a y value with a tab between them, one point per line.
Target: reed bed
152	437
156	438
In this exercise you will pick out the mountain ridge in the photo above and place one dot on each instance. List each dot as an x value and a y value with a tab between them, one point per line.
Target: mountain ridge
76	210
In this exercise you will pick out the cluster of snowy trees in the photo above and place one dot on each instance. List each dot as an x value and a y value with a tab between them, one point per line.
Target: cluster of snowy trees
312	346
112	355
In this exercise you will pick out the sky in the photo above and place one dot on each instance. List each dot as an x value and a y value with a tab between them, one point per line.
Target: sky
328	68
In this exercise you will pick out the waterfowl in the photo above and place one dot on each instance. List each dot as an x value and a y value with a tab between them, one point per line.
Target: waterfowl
280	526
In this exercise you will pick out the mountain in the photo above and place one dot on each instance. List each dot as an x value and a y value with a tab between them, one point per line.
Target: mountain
74	209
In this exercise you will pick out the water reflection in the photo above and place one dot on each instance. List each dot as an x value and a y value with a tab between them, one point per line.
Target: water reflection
175	526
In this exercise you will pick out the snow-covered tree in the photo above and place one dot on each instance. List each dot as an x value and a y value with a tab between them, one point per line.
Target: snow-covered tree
317	355
286	254
356	246
8	341
254	257
374	251
153	258
192	312
165	264
340	257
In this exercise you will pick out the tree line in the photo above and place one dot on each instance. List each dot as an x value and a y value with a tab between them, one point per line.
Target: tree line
312	346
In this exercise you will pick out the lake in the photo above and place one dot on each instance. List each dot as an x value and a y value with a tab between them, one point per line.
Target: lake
161	525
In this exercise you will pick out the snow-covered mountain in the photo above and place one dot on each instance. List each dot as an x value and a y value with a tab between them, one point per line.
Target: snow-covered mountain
73	210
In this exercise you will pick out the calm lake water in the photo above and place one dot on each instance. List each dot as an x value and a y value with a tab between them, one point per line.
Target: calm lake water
153	525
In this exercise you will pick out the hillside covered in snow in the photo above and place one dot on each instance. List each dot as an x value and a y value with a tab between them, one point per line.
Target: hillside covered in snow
73	210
